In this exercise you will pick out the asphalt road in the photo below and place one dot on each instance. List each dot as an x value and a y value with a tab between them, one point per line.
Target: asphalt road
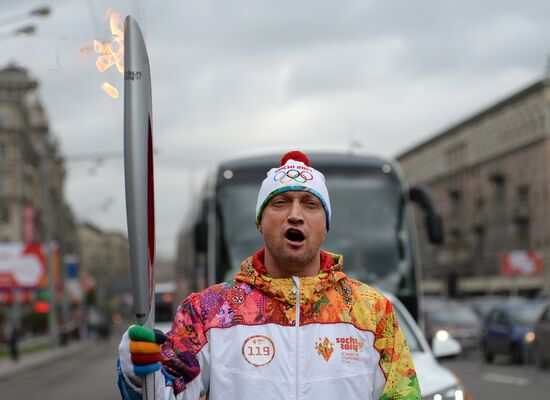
501	380
91	375
88	375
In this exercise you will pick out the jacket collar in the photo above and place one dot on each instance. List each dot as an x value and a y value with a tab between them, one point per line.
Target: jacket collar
312	288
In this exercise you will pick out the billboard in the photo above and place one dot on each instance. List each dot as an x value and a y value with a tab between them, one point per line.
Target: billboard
521	263
23	266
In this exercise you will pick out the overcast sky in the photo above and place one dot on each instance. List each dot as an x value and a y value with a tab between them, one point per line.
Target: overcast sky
233	77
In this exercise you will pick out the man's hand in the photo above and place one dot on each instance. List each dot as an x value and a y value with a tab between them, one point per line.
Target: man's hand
139	352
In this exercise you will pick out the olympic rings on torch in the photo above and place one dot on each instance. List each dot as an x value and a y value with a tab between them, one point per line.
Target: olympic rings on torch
285	177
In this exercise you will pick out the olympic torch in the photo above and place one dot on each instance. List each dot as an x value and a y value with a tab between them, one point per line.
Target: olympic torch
138	174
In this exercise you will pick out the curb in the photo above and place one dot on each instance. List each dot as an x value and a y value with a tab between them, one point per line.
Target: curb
9	369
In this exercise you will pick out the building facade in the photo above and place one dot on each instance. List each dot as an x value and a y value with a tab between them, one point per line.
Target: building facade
490	178
31	167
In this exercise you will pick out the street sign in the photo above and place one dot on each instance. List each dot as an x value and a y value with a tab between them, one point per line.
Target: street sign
22	266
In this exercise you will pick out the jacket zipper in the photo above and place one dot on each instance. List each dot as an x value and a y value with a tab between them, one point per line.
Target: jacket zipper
298	352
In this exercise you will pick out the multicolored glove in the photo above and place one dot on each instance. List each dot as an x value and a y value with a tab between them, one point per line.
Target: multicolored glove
139	351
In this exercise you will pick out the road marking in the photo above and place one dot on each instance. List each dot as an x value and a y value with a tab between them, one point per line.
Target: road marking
511	380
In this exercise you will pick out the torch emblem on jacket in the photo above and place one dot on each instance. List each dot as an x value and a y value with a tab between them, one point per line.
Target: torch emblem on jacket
325	348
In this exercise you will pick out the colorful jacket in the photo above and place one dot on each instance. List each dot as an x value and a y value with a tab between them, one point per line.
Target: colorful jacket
257	337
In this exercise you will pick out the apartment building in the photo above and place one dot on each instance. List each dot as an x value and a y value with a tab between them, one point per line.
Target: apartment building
31	166
489	175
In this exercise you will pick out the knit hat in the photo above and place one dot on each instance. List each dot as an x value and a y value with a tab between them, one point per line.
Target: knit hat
294	174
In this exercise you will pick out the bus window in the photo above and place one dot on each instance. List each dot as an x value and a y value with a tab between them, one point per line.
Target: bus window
372	224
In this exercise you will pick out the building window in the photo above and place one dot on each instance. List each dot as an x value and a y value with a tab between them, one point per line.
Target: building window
499	191
455	199
523	195
3	184
4	214
479	242
522	233
480	203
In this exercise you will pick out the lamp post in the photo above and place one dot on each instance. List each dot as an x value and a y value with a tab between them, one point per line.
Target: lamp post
43	11
46	217
28	30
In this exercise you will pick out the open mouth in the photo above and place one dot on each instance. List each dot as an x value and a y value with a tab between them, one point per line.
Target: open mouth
294	235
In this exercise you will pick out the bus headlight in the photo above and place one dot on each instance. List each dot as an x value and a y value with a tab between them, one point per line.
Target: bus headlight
457	392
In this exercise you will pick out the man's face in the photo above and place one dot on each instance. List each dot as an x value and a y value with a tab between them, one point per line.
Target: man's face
294	226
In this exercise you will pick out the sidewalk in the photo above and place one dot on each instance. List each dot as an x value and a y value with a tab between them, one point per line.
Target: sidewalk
26	362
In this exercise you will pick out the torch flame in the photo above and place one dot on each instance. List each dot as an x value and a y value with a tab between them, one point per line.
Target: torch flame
110	90
111	52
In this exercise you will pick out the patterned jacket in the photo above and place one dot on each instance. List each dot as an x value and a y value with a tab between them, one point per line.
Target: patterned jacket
257	337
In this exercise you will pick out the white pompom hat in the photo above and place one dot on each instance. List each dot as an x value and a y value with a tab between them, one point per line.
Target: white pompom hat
294	174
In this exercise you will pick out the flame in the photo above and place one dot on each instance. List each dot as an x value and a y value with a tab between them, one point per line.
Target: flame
110	90
111	52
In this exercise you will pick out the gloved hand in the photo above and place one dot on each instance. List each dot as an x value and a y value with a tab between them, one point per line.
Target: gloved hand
139	352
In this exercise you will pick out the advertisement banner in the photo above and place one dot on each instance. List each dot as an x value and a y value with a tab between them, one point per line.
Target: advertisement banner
23	266
521	263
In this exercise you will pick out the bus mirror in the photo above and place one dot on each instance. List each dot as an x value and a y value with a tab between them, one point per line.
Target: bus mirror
201	237
434	222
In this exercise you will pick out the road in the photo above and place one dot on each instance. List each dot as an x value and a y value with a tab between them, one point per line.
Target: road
88	375
501	380
91	375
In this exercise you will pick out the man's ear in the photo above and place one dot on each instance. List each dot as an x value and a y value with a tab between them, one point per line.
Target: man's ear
260	228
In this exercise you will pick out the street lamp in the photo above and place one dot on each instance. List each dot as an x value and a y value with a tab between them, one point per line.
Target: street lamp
22	30
43	11
26	30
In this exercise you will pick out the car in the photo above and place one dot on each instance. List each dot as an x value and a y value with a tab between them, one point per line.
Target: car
455	318
436	381
542	338
508	330
482	305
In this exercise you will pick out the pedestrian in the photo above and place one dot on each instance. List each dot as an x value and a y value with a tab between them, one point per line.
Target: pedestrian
14	349
290	325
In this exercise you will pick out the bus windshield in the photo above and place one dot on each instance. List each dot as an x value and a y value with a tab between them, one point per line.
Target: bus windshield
369	228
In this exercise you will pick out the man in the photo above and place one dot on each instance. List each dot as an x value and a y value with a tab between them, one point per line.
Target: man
290	325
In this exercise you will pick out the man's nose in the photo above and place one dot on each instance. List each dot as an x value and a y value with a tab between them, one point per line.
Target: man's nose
295	213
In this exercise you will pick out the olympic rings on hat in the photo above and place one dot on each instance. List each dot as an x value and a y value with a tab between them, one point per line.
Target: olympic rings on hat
285	177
